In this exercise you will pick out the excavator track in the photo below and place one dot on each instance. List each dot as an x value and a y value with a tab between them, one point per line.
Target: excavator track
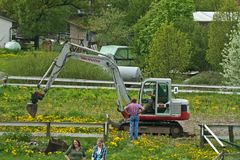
171	128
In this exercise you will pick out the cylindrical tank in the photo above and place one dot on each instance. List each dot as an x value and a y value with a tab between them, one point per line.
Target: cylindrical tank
13	46
130	74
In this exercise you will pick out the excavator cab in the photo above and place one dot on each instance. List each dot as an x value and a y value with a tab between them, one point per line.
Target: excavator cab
155	96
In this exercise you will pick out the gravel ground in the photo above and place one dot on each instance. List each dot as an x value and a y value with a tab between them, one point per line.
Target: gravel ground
192	125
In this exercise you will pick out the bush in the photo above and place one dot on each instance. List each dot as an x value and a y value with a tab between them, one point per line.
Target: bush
18	136
208	77
36	64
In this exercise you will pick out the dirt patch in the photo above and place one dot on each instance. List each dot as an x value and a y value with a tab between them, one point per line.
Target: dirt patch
192	125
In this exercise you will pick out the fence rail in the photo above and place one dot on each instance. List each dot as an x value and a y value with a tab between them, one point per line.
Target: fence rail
97	84
48	126
206	133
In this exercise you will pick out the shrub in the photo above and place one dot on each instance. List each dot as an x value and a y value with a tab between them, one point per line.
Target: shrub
208	77
19	136
37	63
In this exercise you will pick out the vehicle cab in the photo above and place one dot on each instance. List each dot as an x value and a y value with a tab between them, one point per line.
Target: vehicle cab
156	98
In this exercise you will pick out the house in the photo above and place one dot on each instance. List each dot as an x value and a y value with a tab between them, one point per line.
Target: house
203	17
5	30
80	33
207	17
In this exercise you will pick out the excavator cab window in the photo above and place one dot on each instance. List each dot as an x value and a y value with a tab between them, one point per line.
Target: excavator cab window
162	93
148	97
162	106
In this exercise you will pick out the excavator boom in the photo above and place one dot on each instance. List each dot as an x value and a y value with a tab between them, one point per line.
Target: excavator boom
71	50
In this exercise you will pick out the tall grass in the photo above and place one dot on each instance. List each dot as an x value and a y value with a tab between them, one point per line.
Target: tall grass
36	64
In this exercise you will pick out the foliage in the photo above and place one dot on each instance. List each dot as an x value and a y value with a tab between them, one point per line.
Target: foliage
36	64
208	5
159	12
136	9
207	78
169	52
110	27
218	30
133	9
35	18
197	34
26	137
231	59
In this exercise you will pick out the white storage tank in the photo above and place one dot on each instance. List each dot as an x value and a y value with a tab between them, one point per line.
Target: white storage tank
130	74
13	46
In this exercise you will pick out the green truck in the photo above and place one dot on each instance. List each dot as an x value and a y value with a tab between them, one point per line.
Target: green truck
121	54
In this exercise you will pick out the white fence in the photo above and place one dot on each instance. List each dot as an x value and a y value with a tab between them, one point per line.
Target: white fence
96	84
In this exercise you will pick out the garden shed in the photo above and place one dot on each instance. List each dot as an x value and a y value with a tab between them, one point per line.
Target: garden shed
5	30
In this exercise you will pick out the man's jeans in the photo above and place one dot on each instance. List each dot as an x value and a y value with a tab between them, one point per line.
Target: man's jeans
134	121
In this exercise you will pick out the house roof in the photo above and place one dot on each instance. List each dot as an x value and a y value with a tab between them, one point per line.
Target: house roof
79	21
203	16
210	16
7	19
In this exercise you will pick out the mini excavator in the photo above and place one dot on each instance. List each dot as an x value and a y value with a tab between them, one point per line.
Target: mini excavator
161	113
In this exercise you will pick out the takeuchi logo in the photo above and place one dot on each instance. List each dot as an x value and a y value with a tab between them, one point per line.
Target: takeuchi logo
89	59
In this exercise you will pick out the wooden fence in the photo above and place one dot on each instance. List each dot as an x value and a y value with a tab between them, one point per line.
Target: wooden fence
48	126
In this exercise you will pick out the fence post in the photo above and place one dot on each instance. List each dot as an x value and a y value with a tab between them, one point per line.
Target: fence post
48	133
106	128
201	135
231	135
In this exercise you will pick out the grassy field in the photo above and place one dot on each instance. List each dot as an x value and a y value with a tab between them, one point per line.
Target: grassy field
36	63
83	105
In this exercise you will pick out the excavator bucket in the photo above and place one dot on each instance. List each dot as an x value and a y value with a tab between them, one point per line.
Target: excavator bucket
32	109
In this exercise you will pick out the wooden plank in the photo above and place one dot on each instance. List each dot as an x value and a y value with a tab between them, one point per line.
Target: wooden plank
222	125
20	124
63	134
231	135
55	124
88	125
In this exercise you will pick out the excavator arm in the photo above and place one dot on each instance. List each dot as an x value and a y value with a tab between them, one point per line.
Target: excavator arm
71	50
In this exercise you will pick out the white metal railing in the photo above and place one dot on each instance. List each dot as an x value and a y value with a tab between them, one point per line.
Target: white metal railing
48	126
206	133
96	84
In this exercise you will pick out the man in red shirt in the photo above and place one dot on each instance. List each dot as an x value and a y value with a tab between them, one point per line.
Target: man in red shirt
133	109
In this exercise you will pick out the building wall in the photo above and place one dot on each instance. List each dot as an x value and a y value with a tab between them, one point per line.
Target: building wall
5	27
77	35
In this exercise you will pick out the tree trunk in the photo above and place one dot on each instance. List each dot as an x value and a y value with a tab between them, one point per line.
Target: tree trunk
36	42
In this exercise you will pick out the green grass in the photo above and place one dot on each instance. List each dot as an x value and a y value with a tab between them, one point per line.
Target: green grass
96	103
92	105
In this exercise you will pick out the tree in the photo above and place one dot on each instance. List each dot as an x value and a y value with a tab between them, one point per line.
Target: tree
231	58
39	17
160	12
197	34
208	5
110	27
169	52
223	23
112	23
